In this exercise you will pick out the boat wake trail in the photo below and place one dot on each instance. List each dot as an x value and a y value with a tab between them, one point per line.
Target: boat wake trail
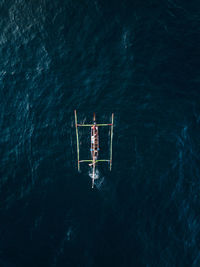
96	174
99	180
99	183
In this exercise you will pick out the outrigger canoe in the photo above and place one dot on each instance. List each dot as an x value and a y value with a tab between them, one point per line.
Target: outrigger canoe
94	144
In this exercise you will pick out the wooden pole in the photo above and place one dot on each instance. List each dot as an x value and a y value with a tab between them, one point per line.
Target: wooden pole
77	139
111	140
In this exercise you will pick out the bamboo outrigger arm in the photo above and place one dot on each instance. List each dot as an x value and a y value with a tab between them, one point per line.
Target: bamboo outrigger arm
98	160
90	125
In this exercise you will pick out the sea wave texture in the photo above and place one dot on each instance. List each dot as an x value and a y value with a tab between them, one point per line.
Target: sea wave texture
138	59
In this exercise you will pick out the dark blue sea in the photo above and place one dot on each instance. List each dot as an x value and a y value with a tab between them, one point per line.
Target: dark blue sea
138	59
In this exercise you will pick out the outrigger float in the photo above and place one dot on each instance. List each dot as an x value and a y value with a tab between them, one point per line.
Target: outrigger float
94	144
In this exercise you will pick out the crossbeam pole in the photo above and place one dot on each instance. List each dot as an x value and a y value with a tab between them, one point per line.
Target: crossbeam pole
90	125
98	160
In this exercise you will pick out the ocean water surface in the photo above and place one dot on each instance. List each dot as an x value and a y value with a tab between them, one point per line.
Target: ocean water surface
138	59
